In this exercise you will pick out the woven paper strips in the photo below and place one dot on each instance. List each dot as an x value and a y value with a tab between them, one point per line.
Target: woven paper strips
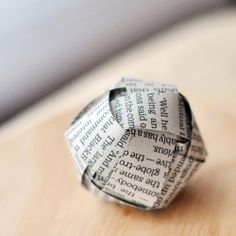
136	144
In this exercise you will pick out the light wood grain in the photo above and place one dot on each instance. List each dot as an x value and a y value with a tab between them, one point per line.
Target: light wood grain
39	191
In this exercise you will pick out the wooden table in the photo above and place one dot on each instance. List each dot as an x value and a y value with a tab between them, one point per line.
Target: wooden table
39	191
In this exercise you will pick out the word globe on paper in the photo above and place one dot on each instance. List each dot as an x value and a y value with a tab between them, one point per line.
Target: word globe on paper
136	144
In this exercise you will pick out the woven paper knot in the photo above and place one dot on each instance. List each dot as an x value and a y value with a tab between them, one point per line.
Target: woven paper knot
136	144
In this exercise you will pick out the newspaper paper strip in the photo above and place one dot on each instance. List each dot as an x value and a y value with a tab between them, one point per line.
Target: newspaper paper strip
136	144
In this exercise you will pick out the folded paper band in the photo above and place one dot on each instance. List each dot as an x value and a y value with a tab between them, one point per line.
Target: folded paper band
137	144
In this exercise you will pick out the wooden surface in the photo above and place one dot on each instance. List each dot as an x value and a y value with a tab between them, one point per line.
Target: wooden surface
39	191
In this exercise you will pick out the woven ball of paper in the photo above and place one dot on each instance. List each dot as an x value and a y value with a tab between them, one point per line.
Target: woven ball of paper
137	144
